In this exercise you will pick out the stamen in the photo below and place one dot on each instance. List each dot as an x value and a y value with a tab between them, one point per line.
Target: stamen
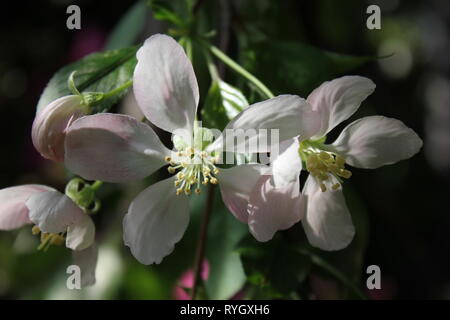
326	167
196	167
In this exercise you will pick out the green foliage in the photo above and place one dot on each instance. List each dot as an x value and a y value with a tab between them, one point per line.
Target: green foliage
222	104
128	28
226	272
97	72
275	268
294	67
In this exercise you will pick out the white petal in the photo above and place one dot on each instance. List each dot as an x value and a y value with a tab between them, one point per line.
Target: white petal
372	142
113	148
165	85
87	261
338	99
236	184
271	209
13	211
53	211
155	222
286	167
81	235
328	224
287	115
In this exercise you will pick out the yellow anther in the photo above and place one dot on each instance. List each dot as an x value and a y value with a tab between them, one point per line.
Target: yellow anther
177	183
197	191
214	180
57	240
339	161
215	159
187	191
180	175
336	186
171	170
205	181
345	173
44	236
323	187
190	151
206	170
216	171
167	159
180	153
35	230
179	191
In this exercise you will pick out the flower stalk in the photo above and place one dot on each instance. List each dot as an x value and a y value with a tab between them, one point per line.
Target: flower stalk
201	246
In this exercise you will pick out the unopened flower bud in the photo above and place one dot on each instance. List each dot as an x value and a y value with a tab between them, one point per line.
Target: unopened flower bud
50	124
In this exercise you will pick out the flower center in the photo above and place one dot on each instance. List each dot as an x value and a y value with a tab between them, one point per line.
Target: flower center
48	239
195	167
328	168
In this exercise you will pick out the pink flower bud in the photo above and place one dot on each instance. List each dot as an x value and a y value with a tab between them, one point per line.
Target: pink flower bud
50	124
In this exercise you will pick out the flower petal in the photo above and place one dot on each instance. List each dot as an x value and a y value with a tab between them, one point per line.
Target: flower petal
53	211
113	148
50	124
287	165
13	211
338	99
271	209
156	220
87	261
165	85
375	141
327	224
289	114
236	184
81	235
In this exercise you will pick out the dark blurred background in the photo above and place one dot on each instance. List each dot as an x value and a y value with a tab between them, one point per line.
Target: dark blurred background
406	204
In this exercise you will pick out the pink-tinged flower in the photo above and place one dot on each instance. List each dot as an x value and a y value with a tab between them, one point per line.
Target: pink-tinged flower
55	217
50	124
186	282
118	148
369	142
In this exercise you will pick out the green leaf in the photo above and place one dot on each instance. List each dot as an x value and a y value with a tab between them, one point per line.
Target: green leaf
222	104
97	72
295	67
274	266
164	12
127	30
226	273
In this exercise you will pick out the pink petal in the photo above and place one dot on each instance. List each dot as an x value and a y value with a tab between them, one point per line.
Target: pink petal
165	85
81	235
53	211
271	209
13	211
113	148
156	221
327	224
338	99
236	184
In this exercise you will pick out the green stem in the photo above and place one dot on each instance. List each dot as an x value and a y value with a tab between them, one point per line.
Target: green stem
240	70
201	246
96	185
118	89
211	67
